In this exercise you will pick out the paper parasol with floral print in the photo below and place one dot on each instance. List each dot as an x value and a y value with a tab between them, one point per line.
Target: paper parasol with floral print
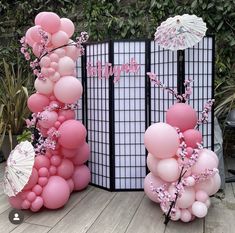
19	168
180	32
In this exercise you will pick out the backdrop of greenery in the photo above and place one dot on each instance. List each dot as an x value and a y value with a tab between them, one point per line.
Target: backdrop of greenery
105	19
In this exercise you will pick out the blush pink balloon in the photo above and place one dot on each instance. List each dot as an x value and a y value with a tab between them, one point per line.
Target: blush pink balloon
43	171
176	215
50	22
37	49
45	72
45	61
32	180
152	164
67	26
65	169
56	193
52	170
201	196
25	205
207	186
199	209
185	216
54	65
161	140
59	38
57	124
28	38
44	86
60	52
41	161
68	89
181	115
217	183
168	169
42	181
68	114
69	153
48	118
70	184
16	201
37	204
37	189
81	177
189	151
213	155
55	77
35	35
31	196
192	137
43	131
149	181
56	160
72	134
82	155
73	51
190	181
187	198
66	66
54	57
38	17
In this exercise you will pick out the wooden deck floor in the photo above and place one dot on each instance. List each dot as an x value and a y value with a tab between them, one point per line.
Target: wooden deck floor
95	210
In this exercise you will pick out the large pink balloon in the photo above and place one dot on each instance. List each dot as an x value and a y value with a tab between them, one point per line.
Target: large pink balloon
37	102
56	193
44	86
50	22
35	35
81	177
32	180
82	154
67	26
192	137
65	169
48	119
38	17
66	66
16	201
161	140
68	89
187	198
72	134
181	115
168	169
152	164
41	161
59	38
150	182
213	155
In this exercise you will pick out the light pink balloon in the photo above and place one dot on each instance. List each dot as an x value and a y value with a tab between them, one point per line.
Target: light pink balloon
67	26
181	115
68	89
68	114
212	154
56	193
189	151
55	77
59	38
31	196
48	119
187	198
192	137
57	124
149	181
176	216
60	52
52	170
28	38
190	181
81	177
69	153
35	35
50	22
37	49
199	209
168	169
55	160
42	181
41	161
45	72
72	134
82	154
161	140
37	204
70	184
66	66
65	169
45	61
43	171
54	57
16	201
217	183
201	196
38	17
54	65
44	86
61	119
32	180
205	161
185	215
72	51
25	205
152	164
207	186
37	189
208	203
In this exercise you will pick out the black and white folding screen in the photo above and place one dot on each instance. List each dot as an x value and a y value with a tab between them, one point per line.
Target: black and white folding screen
116	115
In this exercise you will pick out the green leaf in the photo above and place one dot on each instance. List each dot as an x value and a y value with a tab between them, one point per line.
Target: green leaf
194	4
220	25
210	5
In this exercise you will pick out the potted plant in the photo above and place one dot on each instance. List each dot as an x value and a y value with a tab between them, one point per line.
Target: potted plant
14	86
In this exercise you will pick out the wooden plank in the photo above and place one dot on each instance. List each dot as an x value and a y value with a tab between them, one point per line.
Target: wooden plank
83	215
51	217
219	219
29	228
229	199
148	218
4	204
117	215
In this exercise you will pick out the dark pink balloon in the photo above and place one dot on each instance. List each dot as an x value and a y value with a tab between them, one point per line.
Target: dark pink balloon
82	155
31	196
37	102
70	184
37	189
192	137
32	180
81	177
181	115
65	169
55	160
41	161
72	134
37	204
25	204
42	181
68	114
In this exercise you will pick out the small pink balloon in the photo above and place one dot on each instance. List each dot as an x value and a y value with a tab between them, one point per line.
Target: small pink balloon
28	38
54	57
55	77
168	169
16	201
65	169
201	196
185	215
54	65
59	38
38	17
72	51
45	62
45	72
44	86
55	160
69	153
149	181
25	205
217	183
66	66
190	181
72	134
181	115
50	22
187	198
67	114
37	189
56	193
48	118
68	89
43	172
41	161
42	181
52	170
51	71
57	124
81	177
199	209
60	53
192	137
161	140
37	204
152	164
176	215
213	155
70	184
189	151
32	180
35	35
82	154
61	119
31	196
67	26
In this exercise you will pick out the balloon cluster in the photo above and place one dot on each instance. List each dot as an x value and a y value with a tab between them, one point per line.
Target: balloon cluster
182	175
61	148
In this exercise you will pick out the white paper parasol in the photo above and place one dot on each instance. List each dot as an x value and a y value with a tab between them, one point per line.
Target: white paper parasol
19	168
180	32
